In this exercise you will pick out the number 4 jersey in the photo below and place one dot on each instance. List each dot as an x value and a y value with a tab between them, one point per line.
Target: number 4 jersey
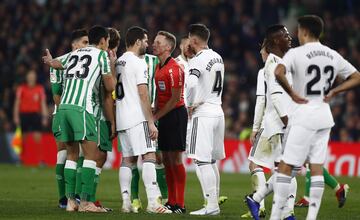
314	68
82	69
208	67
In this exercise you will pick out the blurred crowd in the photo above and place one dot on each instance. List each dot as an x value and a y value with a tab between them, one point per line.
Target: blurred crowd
237	28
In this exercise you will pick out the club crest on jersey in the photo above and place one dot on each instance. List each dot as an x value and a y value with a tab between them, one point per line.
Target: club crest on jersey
162	86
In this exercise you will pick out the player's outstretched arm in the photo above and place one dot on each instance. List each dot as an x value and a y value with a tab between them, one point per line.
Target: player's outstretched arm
48	60
352	82
281	78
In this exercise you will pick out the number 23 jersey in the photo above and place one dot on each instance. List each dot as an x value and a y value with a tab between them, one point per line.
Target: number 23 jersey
314	68
208	66
83	67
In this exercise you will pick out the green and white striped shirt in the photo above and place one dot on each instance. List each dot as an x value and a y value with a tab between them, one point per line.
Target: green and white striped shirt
56	78
151	62
83	68
97	99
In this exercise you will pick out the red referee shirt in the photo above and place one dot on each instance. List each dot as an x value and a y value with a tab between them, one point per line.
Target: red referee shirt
168	76
30	98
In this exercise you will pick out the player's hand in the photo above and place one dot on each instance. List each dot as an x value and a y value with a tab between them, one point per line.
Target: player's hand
298	99
44	121
329	96
285	120
16	120
47	58
192	108
153	131
112	56
252	137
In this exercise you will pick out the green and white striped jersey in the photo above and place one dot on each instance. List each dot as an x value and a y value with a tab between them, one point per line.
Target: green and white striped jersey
56	78
151	62
97	99
82	70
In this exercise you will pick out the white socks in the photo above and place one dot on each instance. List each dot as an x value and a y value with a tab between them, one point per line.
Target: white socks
149	178
266	189
281	193
288	210
217	176
199	176
316	192
208	182
125	177
258	182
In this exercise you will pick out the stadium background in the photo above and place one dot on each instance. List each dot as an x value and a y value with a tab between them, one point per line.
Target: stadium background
237	29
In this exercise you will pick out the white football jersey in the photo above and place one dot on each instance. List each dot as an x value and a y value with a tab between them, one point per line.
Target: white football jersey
208	66
272	122
131	71
314	68
185	66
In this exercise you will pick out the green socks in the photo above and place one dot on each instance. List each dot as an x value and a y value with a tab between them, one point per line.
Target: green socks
135	183
78	175
96	182
328	179
70	178
160	178
59	170
87	179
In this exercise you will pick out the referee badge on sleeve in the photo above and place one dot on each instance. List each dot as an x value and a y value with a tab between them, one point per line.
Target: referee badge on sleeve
162	86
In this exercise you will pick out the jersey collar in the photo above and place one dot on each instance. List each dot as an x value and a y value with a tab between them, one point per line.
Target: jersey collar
166	61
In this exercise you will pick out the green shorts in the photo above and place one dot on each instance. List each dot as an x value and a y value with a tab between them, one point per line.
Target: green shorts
77	125
55	127
104	132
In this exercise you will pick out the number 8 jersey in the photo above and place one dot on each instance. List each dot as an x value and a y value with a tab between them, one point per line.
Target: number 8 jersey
208	67
314	68
83	67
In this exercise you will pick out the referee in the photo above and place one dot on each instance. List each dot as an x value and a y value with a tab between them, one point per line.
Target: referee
172	116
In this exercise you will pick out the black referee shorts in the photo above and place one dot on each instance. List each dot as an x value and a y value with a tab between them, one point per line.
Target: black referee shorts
30	122
172	130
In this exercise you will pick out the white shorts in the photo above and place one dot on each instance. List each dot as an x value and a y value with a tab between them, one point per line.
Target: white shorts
266	151
206	139
303	143
136	141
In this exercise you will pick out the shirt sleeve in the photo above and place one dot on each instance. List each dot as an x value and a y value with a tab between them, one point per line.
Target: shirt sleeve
260	87
141	73
104	62
288	61
176	75
345	69
42	93
273	86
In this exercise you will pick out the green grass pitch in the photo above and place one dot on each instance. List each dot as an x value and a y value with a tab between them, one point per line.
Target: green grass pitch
31	193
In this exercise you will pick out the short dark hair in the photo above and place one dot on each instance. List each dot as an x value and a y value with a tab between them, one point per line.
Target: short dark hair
313	23
170	38
200	30
78	33
114	38
96	33
270	34
133	34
